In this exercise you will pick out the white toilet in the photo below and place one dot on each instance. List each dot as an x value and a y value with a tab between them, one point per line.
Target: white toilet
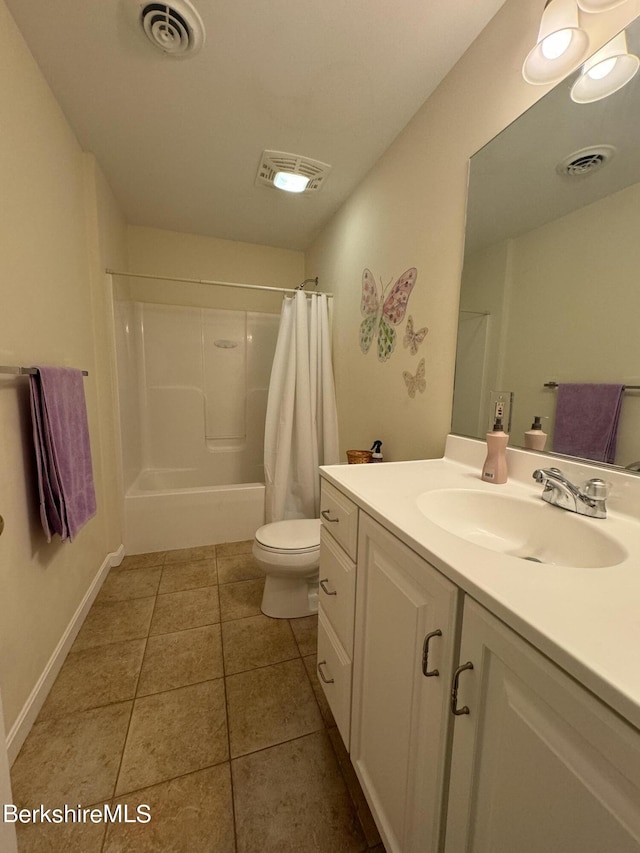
288	552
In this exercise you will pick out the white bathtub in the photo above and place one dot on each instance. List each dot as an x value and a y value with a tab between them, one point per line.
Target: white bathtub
168	509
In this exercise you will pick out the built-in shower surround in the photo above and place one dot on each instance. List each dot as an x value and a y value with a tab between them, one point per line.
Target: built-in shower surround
203	377
193	395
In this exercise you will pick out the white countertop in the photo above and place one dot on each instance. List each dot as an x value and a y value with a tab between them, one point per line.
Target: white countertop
585	619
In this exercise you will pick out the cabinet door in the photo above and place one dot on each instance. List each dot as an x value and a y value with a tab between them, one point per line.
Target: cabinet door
539	765
400	717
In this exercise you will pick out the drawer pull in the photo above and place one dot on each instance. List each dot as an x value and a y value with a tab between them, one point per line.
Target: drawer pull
454	691
326	516
324	588
425	654
322	675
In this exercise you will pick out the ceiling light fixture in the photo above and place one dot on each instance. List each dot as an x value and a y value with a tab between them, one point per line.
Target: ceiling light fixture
599	5
608	70
290	182
560	47
291	172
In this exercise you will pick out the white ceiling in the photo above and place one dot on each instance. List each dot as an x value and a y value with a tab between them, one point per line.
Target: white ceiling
180	139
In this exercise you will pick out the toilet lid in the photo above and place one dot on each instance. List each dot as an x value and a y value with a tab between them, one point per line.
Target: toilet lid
300	534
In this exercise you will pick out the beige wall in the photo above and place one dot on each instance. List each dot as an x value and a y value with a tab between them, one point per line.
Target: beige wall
484	294
574	312
53	298
565	301
410	211
159	252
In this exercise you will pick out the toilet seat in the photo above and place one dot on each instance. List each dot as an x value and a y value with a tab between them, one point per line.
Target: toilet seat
295	536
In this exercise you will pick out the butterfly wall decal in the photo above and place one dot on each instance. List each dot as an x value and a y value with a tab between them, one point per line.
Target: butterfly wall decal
417	382
414	339
381	313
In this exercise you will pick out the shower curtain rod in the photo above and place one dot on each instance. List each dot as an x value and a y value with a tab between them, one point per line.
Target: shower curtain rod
225	283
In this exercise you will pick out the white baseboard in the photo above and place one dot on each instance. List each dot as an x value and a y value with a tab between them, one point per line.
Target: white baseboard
27	716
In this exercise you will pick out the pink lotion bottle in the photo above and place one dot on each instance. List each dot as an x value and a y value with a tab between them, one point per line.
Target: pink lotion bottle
494	469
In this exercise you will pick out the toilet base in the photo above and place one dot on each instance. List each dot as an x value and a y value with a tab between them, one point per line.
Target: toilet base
289	598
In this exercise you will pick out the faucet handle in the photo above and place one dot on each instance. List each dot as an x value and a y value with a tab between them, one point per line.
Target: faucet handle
597	489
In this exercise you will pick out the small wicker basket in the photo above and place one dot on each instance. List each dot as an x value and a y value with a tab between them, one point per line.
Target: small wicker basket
358	457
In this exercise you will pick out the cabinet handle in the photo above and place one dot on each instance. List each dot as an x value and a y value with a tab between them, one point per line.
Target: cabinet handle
321	673
425	654
324	588
325	515
454	691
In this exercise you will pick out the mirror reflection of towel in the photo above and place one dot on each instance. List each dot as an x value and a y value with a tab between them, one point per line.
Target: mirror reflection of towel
63	452
587	417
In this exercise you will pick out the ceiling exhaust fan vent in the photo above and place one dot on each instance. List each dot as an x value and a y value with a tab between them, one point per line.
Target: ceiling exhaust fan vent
273	162
176	29
585	161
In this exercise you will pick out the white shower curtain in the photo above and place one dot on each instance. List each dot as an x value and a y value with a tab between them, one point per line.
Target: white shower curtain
301	429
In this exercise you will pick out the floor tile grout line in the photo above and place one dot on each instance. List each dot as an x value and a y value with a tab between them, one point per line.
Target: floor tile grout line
133	704
323	731
162	782
226	707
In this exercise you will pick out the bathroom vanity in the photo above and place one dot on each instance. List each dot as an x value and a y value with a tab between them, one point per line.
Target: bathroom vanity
478	648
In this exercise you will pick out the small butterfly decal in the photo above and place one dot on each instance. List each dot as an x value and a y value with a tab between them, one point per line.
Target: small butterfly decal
417	382
380	316
414	339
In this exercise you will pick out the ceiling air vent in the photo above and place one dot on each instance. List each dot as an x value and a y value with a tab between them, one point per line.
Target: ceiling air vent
174	28
585	161
273	162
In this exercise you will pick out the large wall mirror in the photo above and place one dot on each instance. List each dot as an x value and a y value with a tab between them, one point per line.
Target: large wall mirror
551	280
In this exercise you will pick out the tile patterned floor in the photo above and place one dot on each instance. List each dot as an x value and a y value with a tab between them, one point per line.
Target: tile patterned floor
179	694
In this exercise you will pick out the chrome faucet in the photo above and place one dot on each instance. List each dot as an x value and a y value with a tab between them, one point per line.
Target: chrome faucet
559	491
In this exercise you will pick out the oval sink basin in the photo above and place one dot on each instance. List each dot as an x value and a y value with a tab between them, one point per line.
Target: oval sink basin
532	531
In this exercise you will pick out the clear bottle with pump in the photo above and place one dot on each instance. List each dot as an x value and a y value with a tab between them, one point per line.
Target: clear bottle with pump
494	469
535	438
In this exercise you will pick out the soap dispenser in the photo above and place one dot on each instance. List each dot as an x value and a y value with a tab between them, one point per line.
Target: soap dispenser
535	438
494	469
376	455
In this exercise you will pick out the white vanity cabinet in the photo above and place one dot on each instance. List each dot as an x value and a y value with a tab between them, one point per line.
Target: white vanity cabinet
405	645
336	597
501	751
538	764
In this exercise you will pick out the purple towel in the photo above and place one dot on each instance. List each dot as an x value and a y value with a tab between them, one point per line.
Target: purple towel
63	451
587	418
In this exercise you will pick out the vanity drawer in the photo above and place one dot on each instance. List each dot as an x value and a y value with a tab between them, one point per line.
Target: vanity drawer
334	674
339	517
337	589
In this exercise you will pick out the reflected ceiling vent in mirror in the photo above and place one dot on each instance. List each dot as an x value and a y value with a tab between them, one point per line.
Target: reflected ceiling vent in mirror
291	172
585	161
174	28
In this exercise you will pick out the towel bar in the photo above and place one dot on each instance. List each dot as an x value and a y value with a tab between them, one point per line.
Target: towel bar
625	387
26	371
